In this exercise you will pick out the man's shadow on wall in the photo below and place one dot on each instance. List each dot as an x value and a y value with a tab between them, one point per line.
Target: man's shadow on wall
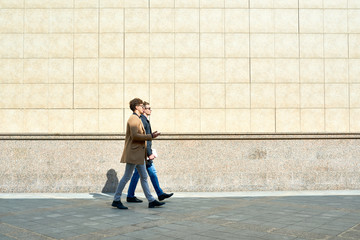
111	182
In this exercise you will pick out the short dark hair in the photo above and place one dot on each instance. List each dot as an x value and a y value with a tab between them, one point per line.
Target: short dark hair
146	103
135	102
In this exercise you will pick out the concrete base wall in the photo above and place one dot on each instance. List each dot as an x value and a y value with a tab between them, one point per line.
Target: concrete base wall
90	163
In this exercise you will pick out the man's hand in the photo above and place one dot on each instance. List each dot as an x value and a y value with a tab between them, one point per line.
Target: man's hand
155	134
151	157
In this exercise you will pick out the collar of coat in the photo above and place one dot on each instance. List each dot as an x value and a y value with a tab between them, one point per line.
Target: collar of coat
136	114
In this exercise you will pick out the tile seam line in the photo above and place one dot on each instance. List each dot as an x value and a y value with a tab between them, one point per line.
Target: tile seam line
121	138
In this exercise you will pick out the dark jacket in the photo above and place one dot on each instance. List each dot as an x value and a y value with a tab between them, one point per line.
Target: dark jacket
147	127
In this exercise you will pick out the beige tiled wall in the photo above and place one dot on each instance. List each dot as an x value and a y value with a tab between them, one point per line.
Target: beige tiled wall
236	66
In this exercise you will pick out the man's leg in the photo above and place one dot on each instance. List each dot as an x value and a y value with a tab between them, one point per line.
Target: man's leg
145	186
155	182
154	179
133	183
144	183
129	169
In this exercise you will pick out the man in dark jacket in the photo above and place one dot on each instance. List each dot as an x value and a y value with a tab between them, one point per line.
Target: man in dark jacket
149	163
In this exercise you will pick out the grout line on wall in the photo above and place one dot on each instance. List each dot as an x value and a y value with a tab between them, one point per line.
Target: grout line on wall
48	74
173	59
299	66
199	57
73	68
348	66
224	66
249	61
98	68
149	56
208	33
256	8
123	73
23	73
323	45
84	108
273	60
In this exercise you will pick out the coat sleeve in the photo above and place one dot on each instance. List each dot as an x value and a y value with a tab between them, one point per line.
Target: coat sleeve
133	124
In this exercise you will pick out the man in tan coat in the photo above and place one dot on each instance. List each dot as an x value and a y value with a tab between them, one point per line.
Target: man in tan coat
134	154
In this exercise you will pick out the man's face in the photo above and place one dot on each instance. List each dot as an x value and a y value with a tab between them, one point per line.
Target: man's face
147	110
140	108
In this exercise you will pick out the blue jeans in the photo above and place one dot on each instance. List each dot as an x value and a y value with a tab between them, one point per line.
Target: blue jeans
154	180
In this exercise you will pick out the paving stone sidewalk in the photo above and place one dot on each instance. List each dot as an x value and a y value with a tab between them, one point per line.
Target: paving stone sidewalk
186	217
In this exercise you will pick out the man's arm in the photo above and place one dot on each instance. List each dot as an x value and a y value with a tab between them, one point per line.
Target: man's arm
133	123
147	130
148	148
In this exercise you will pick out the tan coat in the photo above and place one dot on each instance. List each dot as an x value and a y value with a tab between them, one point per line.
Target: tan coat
135	141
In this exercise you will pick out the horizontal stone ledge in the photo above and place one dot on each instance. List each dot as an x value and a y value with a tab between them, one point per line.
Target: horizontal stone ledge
186	136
